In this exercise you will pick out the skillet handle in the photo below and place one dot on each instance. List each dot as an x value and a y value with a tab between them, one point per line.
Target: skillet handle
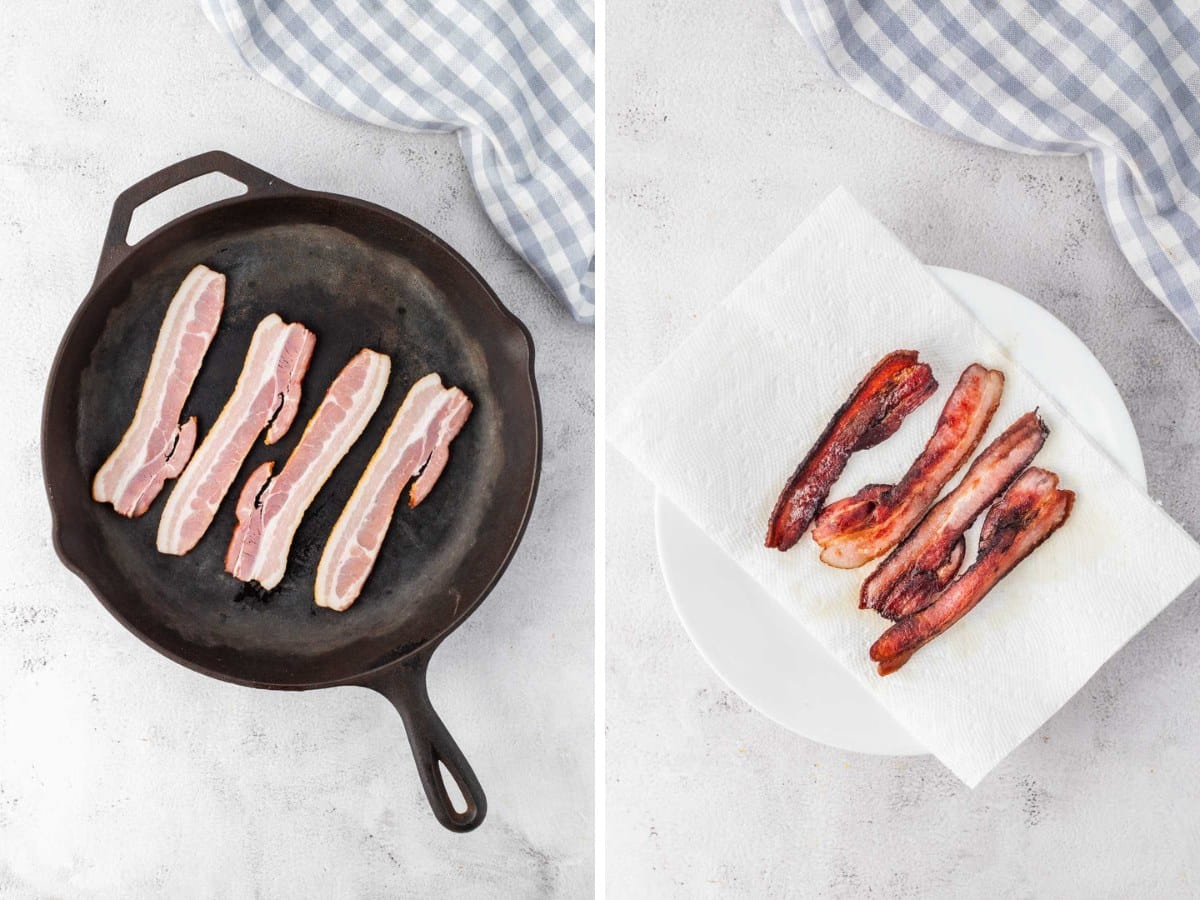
404	685
116	248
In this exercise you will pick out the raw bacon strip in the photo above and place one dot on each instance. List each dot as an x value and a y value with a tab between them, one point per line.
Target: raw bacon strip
860	528
270	508
1028	513
895	387
420	435
926	559
267	395
458	408
156	447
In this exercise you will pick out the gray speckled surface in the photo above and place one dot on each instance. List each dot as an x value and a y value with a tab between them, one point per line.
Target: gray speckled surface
723	132
122	774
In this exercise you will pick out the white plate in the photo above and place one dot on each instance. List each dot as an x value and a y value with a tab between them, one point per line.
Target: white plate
762	651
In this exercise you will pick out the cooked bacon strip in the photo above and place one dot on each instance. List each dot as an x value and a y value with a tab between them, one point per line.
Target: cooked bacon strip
270	508
895	387
926	559
1028	513
857	529
266	396
917	590
420	435
156	447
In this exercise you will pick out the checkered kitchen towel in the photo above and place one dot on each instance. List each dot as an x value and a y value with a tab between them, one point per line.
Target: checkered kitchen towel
512	77
1116	80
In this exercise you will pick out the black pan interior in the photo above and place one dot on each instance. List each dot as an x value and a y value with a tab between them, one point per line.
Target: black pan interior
358	277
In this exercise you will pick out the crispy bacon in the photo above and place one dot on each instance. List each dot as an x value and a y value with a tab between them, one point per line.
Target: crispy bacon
156	447
894	388
419	436
267	396
857	529
270	508
928	558
1028	513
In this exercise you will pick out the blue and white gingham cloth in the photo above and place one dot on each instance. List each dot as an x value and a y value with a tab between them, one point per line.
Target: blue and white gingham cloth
1115	80
514	78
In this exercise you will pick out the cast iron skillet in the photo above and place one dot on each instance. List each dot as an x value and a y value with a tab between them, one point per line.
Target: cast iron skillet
359	276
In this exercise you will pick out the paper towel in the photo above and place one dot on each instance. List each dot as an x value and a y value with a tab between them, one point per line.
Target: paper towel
722	423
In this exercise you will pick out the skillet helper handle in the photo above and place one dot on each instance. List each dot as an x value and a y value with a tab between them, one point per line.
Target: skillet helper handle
432	745
116	247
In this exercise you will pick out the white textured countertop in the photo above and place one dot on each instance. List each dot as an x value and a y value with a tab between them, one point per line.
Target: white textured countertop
723	132
123	774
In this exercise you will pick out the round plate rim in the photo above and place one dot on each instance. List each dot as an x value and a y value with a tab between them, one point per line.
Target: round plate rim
899	742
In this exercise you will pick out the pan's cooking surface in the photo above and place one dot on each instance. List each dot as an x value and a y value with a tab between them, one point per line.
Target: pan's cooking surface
357	280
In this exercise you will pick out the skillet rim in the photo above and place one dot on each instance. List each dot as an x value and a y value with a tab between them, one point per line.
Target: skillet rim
282	190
